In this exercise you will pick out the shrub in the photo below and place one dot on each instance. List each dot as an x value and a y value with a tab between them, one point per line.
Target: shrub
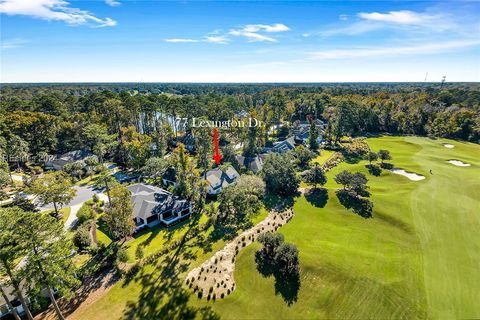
139	253
95	198
85	213
121	255
81	237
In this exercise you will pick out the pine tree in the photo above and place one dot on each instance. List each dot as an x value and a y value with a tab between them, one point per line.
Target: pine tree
11	249
47	262
313	136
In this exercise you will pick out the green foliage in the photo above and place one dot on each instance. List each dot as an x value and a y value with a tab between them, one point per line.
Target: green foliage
53	187
241	200
372	156
85	213
47	262
118	213
82	238
154	168
314	176
134	147
139	252
279	174
303	155
384	155
271	241
189	185
313	136
121	255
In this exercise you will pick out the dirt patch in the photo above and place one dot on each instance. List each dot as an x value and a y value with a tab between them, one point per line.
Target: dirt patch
90	291
214	278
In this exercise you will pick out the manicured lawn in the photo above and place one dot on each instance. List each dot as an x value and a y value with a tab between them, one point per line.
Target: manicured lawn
324	155
102	237
153	239
64	211
416	258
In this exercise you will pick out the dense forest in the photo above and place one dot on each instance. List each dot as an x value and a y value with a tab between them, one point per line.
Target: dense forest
56	118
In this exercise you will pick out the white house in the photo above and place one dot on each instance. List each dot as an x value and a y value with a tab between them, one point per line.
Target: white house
153	205
218	179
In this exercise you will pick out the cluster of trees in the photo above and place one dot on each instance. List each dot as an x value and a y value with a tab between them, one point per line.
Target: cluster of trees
279	174
283	255
39	242
281	260
354	193
112	121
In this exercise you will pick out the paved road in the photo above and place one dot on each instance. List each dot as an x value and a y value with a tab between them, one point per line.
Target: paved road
83	194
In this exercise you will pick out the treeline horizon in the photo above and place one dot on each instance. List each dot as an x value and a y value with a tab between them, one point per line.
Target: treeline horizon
52	118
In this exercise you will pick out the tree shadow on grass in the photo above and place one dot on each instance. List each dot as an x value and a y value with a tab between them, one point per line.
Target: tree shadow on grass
163	295
362	207
285	285
374	170
317	197
275	202
386	165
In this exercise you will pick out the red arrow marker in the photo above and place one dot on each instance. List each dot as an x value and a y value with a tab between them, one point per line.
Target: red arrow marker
217	157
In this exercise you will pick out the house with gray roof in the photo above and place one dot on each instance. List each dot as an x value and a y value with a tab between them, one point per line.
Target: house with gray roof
284	146
218	179
69	157
254	164
153	205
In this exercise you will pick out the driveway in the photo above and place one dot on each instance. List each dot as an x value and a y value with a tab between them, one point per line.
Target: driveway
84	193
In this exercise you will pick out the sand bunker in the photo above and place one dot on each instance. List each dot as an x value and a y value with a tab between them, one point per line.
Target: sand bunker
458	163
449	146
410	175
214	278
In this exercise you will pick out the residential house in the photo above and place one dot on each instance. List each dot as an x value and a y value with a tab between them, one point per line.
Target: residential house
301	131
254	164
70	157
284	146
153	205
5	313
169	178
218	179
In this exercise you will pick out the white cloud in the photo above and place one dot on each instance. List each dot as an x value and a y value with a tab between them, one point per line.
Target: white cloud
180	40
430	48
12	44
113	3
58	10
277	27
404	20
252	31
216	39
400	17
343	17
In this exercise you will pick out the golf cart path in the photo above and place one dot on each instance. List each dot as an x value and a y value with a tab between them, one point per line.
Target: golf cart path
214	279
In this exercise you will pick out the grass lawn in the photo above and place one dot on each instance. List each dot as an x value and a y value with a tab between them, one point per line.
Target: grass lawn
324	155
416	258
102	237
153	239
64	211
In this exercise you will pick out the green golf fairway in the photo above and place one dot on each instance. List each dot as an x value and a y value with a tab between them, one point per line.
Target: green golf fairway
417	258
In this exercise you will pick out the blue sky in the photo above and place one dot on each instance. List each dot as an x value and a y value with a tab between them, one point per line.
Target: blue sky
193	41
